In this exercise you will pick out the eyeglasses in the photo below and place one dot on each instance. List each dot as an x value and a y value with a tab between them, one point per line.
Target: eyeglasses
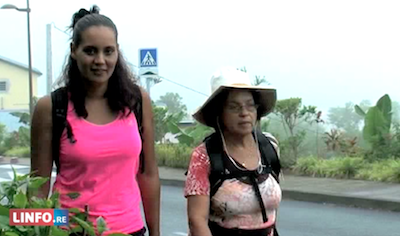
238	108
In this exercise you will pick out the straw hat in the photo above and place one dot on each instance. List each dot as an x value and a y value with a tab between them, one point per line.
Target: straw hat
232	78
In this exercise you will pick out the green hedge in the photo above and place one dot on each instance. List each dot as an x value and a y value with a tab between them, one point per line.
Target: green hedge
350	167
173	155
18	152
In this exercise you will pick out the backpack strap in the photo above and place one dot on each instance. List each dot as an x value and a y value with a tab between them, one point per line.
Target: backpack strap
218	175
59	99
139	118
272	161
217	168
259	197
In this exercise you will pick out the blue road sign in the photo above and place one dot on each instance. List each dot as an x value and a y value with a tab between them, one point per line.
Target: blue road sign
148	57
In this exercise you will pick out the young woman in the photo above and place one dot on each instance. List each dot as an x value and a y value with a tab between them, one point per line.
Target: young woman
100	148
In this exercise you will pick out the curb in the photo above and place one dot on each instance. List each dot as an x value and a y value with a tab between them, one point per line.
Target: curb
347	201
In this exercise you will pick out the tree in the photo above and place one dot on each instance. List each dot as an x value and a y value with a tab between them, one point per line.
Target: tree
24	117
377	127
292	113
161	120
173	102
345	118
191	136
258	80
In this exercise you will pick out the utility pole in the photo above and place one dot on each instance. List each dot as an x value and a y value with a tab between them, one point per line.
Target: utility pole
49	60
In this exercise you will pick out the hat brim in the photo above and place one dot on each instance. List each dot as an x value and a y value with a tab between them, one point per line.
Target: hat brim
266	103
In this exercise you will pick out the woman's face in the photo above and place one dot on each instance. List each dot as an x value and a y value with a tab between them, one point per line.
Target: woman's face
97	54
239	114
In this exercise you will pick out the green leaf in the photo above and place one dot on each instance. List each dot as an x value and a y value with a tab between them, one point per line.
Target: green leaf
85	226
375	124
74	210
55	231
185	139
37	202
22	228
37	182
101	225
173	128
37	230
15	174
23	177
4	221
385	106
11	234
73	195
4	211
359	110
20	200
182	136
76	229
55	199
49	203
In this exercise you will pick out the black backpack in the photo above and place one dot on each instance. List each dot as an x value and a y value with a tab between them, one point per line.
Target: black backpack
219	161
59	99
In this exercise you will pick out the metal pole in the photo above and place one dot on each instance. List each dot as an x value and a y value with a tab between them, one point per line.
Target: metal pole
148	81
49	60
29	59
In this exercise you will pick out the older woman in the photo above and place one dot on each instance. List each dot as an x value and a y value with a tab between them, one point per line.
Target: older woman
232	185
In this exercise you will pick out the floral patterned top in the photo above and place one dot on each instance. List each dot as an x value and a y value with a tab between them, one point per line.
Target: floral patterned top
235	204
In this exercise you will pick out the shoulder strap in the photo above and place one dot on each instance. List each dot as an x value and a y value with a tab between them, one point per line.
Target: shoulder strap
139	117
59	101
215	154
266	148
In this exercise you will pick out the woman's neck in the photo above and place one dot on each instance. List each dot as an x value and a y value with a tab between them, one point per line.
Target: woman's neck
95	91
238	140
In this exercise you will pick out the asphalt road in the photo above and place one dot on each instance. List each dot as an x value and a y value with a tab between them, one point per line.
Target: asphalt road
294	218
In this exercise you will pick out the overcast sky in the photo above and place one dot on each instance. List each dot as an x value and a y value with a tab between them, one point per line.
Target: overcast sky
326	52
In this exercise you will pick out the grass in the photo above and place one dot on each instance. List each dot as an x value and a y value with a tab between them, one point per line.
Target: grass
18	152
350	168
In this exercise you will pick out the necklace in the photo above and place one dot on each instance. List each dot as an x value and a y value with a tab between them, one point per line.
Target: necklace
260	165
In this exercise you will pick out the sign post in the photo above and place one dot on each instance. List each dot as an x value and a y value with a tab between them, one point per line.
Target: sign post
148	67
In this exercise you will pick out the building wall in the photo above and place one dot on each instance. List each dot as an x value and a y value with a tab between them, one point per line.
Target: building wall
16	96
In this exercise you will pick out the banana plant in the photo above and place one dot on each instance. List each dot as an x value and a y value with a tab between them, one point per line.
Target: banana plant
377	119
190	136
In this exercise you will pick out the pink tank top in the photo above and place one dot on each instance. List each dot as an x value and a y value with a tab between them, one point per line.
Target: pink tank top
102	166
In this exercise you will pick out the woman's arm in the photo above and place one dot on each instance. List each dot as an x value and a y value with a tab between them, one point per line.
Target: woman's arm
41	146
198	211
197	192
149	181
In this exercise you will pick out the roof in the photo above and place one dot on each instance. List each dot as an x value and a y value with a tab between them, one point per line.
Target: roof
19	64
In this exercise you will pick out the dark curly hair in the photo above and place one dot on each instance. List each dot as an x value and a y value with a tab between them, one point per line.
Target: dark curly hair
122	91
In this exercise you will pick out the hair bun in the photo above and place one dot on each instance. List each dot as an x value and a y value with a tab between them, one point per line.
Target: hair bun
82	13
95	10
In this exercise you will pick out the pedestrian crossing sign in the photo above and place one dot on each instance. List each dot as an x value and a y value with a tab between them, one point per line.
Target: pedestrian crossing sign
148	57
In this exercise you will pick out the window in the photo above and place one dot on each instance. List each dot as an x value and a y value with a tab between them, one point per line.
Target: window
4	85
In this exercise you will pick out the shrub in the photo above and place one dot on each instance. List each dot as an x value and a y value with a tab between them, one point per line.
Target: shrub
350	167
339	167
173	155
386	170
21	192
18	152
